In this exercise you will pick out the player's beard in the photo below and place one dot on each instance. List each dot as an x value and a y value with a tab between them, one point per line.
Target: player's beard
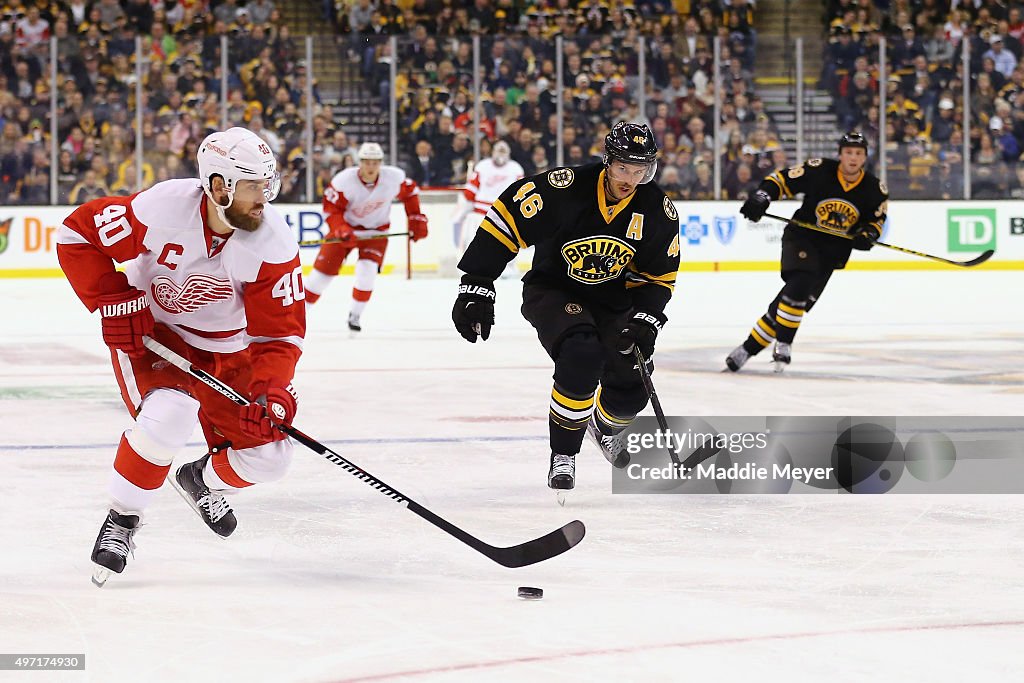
242	220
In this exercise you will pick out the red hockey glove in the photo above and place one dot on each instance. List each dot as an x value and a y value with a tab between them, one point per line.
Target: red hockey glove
417	226
272	405
125	315
344	233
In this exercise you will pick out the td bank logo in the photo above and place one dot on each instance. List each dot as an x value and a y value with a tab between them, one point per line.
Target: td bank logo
5	229
971	229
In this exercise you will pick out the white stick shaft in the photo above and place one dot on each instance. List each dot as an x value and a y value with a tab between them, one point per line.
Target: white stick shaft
168	355
182	364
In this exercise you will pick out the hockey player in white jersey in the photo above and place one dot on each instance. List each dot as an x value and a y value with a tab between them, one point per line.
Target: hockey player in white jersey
360	198
211	271
489	179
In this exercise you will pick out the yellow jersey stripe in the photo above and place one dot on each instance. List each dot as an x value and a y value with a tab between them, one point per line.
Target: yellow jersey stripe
511	222
611	419
488	227
565	423
571	402
781	184
789	309
631	285
756	334
667	277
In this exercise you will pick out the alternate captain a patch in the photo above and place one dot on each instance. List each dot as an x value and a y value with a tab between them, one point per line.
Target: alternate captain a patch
597	259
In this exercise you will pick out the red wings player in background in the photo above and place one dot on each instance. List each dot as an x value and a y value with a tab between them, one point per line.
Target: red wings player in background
211	271
360	199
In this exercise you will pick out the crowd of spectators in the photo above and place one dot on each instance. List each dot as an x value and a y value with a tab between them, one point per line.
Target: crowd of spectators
180	103
924	114
181	83
601	53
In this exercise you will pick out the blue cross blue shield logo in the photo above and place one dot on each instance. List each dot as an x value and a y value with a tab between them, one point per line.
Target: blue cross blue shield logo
725	228
694	230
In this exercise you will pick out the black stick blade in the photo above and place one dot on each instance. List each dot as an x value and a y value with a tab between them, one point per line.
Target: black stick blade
985	256
539	549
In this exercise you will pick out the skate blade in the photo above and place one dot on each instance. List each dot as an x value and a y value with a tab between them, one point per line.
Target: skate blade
779	367
560	496
100	576
191	503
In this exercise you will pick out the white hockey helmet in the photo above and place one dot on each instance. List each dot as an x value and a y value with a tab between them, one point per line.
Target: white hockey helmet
370	150
238	154
501	152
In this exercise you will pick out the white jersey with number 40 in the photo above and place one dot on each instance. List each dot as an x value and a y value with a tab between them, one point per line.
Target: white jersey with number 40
218	292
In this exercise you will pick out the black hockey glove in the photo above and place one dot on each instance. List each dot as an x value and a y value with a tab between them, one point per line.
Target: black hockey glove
865	236
473	314
753	209
641	330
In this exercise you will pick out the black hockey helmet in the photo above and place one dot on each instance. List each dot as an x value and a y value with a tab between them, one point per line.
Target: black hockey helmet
853	139
632	143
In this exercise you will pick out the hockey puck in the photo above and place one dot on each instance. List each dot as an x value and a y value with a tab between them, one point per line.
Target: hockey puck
530	593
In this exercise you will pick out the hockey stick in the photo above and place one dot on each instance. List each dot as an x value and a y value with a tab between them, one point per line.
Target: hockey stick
977	261
706	450
659	414
360	238
531	552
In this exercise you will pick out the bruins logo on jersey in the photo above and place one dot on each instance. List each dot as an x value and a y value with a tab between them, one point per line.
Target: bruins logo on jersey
670	209
836	214
561	178
814	162
593	260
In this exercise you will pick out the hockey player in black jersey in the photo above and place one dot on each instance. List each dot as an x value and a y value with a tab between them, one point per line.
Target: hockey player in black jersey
607	252
839	195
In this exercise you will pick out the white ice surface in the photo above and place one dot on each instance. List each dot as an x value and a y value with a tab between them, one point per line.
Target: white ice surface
327	580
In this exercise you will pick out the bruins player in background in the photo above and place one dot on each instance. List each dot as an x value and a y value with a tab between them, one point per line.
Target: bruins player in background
604	268
839	195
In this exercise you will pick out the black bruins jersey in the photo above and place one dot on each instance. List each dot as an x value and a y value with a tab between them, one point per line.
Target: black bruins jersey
829	202
619	256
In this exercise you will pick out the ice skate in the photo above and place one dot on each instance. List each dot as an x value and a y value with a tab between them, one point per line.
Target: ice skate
209	505
782	356
114	542
353	324
612	448
562	475
737	359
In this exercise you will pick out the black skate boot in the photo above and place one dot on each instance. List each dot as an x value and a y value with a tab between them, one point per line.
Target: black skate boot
611	445
737	359
114	542
782	355
353	323
562	475
209	505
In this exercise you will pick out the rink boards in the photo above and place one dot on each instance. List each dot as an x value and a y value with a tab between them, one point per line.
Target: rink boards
713	236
